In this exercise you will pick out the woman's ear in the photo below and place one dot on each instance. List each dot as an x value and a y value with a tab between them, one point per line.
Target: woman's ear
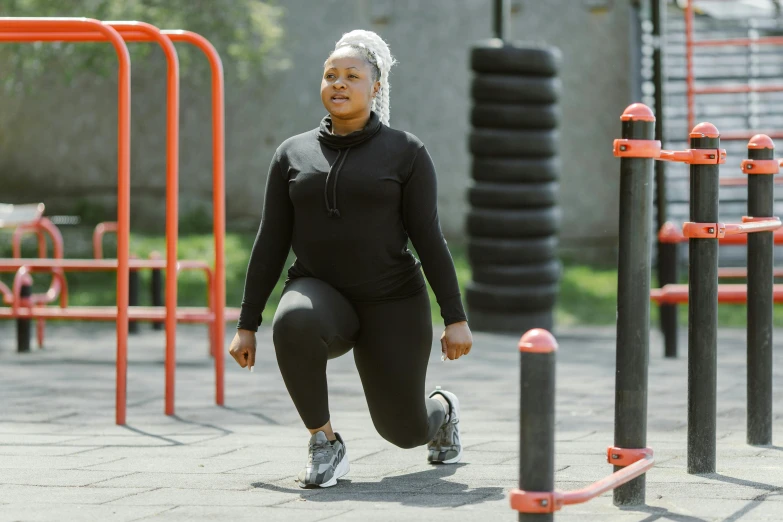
376	89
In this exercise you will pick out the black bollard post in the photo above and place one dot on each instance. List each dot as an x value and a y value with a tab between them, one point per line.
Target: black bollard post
156	288
760	280
24	327
667	252
501	14
703	309
633	297
667	274
133	299
534	498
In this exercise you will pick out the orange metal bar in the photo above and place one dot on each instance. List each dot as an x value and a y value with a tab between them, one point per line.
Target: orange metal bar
42	27
58	286
94	265
218	196
97	237
742	273
218	176
721	230
695	156
624	148
727	293
172	194
138	32
745	135
738	89
669	233
750	225
739	42
618	478
551	501
185	314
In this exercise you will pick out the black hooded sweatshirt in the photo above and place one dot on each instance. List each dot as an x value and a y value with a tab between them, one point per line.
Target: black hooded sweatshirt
347	205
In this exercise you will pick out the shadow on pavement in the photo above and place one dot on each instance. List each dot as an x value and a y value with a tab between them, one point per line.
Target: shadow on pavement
658	513
420	489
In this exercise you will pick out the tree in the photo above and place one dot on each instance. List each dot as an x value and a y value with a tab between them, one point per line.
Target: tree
244	32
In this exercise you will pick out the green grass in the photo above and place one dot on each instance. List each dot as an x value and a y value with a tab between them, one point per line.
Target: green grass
588	296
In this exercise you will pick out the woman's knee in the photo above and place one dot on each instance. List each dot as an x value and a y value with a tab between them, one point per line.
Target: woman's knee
296	325
404	438
405	427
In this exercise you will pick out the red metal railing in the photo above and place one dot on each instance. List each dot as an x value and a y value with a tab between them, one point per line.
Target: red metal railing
29	30
692	91
44	26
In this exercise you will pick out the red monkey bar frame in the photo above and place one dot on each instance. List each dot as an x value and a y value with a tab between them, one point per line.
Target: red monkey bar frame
152	34
46	26
139	32
218	187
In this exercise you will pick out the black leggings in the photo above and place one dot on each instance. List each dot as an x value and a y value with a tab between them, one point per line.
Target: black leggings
391	343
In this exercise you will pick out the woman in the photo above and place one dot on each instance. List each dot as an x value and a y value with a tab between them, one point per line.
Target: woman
347	197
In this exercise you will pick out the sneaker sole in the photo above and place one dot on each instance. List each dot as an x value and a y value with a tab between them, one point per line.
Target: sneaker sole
342	470
454	401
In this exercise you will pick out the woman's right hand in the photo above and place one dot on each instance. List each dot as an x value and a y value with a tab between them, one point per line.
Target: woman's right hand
243	348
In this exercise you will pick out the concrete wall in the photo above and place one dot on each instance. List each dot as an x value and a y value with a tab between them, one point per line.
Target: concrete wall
63	139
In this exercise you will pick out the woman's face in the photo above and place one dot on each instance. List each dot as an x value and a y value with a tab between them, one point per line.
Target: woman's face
347	86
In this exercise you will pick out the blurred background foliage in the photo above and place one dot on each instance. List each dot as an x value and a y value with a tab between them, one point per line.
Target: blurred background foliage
245	33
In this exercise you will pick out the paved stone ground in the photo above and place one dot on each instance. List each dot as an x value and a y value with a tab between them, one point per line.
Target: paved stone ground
62	457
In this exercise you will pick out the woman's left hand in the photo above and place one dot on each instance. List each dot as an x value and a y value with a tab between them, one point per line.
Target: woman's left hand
456	340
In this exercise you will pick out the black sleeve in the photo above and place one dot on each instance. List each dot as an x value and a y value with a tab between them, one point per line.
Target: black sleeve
270	248
420	215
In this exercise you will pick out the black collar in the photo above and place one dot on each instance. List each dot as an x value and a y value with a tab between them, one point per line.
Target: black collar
326	137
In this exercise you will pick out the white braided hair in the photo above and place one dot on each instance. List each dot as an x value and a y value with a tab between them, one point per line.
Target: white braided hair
377	53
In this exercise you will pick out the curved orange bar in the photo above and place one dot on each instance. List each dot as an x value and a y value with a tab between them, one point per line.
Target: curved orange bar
218	170
218	196
141	31
43	26
218	160
618	478
551	501
6	293
58	286
97	237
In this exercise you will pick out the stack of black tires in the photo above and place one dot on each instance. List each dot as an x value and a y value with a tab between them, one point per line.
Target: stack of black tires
514	217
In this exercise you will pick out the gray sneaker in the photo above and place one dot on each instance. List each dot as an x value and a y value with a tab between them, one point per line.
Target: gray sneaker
446	447
326	462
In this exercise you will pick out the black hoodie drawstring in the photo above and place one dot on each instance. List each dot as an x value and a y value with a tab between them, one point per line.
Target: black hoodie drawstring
343	144
336	168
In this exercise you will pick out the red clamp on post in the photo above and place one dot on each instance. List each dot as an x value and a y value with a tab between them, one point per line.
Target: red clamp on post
757	166
536	501
626	457
695	156
637	148
703	230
